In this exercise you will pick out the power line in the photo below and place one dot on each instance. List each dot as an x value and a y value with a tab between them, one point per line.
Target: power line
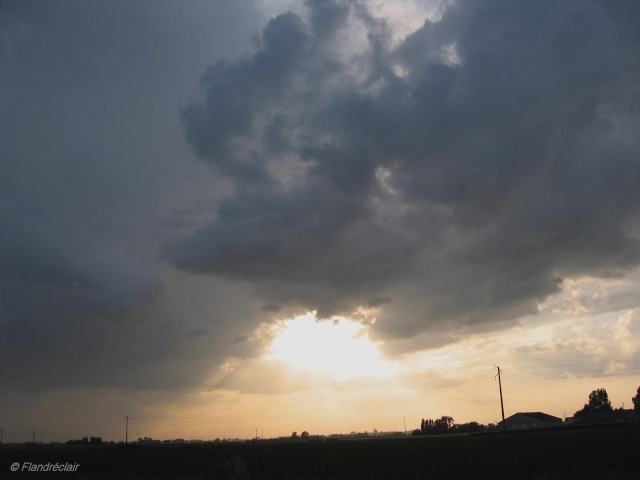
353	401
565	376
574	370
620	371
365	400
515	367
314	410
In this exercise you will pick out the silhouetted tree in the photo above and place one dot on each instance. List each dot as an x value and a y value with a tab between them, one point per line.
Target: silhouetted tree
598	402
443	424
436	427
471	427
427	427
86	441
304	434
636	401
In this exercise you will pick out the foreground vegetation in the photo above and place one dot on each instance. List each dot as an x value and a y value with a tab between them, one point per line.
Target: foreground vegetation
596	453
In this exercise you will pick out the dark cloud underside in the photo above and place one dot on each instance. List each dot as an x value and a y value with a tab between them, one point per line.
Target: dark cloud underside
482	160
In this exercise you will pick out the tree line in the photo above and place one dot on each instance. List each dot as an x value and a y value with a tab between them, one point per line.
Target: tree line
598	402
445	424
86	441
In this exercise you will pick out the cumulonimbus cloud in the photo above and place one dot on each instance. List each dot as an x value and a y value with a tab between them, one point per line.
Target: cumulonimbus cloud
483	159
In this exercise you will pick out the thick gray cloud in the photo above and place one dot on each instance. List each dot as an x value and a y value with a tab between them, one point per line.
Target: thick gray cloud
464	172
452	179
92	166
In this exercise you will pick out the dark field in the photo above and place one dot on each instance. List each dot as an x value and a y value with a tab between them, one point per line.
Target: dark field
598	453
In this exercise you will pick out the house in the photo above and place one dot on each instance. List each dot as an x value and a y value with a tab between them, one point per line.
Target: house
530	421
619	416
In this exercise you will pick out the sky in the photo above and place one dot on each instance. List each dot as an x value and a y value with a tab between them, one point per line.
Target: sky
222	217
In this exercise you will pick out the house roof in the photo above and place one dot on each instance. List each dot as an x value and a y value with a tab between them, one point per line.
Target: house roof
542	417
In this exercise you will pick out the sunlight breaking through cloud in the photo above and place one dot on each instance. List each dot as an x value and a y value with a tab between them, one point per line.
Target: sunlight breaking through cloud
339	346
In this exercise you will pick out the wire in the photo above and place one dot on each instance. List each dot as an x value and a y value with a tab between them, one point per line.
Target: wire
573	371
565	377
313	410
561	372
574	364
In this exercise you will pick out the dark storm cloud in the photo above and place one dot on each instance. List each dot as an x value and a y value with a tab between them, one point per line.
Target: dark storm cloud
72	300
42	245
88	176
270	307
327	18
463	173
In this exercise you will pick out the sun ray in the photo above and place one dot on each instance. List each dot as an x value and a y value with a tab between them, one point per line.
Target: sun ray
338	346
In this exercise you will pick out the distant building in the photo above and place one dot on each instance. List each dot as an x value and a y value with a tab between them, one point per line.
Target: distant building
607	418
530	421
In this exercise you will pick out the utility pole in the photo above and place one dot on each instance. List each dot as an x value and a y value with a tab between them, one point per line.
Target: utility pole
504	426
126	429
1	434
404	419
34	437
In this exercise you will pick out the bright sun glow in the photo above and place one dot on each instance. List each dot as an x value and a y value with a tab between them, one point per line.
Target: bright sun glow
338	346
